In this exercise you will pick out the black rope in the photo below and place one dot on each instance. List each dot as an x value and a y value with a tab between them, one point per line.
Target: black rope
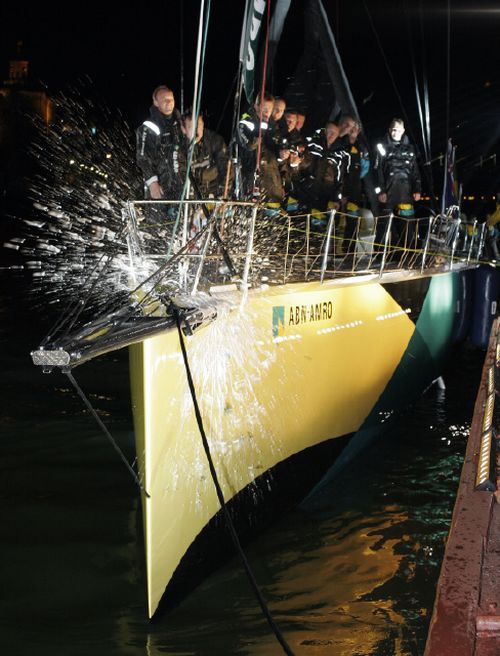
230	525
115	446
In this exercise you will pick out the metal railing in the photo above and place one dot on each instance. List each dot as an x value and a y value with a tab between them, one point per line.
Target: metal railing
216	242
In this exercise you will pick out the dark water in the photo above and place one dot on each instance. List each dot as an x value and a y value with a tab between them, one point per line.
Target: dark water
354	576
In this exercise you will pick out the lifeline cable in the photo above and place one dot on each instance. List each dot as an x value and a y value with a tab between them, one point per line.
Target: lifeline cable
262	602
115	446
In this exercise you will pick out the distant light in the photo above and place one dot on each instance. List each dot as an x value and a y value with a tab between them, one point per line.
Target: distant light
93	130
71	161
108	155
476	11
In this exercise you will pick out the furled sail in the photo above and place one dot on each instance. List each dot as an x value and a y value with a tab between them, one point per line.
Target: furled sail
319	86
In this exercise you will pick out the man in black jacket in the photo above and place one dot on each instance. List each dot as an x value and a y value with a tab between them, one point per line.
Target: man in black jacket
398	181
329	157
157	147
209	160
256	135
352	191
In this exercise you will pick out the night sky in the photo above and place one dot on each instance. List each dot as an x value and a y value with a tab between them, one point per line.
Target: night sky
127	50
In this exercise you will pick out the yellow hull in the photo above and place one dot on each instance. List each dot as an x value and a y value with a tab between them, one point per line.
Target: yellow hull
293	367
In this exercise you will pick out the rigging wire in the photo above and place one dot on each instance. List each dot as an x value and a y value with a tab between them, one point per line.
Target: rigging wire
238	96
233	144
198	86
262	91
388	68
396	91
448	71
428	171
99	421
181	48
423	107
228	98
419	100
447	116
426	82
220	495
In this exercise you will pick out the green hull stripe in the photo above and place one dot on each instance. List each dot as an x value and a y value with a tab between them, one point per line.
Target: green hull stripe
427	349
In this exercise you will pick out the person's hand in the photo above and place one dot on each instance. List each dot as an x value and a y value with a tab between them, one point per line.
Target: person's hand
382	198
155	190
416	195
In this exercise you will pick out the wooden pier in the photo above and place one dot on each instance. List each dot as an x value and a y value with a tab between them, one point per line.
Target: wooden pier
466	617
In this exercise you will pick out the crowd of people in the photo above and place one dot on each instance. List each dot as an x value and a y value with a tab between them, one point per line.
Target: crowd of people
280	161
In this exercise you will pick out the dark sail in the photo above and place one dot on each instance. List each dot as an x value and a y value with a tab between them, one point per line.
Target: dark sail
319	86
275	30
